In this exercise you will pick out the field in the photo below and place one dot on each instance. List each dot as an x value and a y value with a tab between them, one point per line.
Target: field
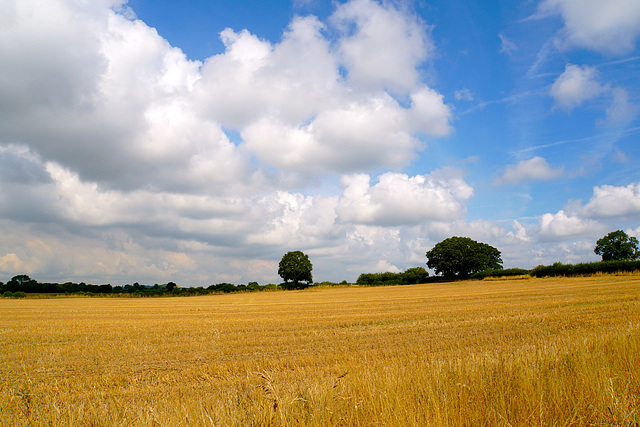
539	352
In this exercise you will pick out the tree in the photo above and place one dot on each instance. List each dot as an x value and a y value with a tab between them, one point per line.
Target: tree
461	257
21	282
415	275
617	246
295	267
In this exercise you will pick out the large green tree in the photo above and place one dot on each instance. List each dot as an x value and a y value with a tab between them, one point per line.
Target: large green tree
461	257
617	246
295	267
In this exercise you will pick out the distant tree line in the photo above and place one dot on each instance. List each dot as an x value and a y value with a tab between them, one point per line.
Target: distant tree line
586	268
21	285
453	258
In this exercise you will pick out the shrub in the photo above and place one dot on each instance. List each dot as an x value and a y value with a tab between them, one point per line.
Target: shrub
411	276
17	294
509	272
559	269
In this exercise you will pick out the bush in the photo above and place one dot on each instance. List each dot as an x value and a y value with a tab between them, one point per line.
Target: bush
411	276
501	273
17	294
559	269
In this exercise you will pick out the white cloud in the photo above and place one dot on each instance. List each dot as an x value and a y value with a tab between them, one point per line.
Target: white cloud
112	140
373	133
621	109
463	94
297	220
612	201
576	85
398	199
506	45
141	165
519	232
605	209
428	113
561	226
10	263
292	80
383	266
610	27
580	84
534	169
381	46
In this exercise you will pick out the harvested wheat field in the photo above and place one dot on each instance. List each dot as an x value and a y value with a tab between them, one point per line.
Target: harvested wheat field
537	352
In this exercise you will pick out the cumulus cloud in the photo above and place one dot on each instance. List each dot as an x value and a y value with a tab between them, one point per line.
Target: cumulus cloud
137	163
293	79
120	106
112	139
621	109
605	209
397	199
359	135
534	169
612	201
576	85
561	225
610	27
381	46
368	134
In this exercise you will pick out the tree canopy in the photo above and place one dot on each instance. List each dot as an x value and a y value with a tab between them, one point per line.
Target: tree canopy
295	267
411	276
617	246
461	257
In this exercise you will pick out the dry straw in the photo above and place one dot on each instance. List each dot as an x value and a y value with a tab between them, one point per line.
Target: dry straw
535	352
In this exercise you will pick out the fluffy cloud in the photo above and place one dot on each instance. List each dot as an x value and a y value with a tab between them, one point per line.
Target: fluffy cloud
112	139
534	169
385	48
621	109
611	201
369	134
561	225
575	86
116	103
398	199
171	236
610	27
292	80
606	209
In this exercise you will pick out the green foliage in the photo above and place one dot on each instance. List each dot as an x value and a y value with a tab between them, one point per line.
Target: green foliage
9	294
617	246
295	267
460	257
501	273
559	269
22	285
409	277
223	287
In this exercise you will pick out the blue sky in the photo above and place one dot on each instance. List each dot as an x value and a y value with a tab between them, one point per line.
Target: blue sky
199	141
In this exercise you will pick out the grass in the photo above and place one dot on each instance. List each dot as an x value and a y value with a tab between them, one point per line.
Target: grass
535	352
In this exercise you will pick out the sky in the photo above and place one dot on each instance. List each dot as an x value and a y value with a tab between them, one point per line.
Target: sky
199	141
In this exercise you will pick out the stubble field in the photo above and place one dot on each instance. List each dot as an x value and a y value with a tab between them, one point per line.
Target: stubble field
536	352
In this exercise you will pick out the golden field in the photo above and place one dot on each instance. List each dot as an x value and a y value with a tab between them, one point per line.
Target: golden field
529	352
